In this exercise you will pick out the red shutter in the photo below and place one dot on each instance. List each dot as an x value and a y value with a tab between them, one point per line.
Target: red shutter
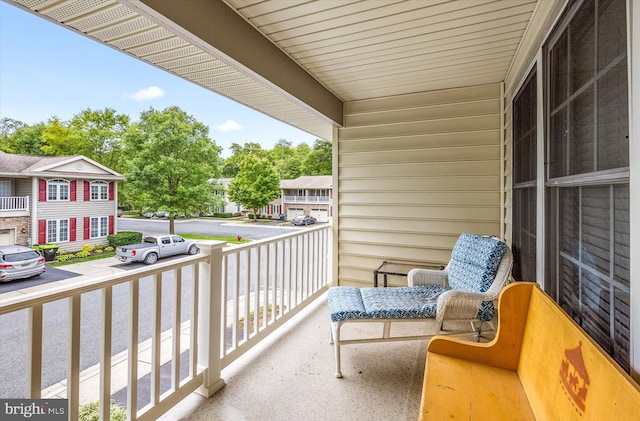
111	224
112	190
87	191
42	231
87	225
72	191
42	190
72	229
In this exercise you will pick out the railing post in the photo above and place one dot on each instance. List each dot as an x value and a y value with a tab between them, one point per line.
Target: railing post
209	317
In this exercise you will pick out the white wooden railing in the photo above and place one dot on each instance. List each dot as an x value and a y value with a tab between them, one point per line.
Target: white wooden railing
14	203
306	199
236	296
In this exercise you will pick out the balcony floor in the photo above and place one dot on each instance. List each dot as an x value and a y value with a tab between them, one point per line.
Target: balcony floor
291	376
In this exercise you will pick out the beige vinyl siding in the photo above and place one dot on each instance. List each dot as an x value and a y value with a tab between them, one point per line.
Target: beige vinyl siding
414	171
21	187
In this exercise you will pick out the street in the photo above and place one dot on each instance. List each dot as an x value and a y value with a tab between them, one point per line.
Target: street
13	327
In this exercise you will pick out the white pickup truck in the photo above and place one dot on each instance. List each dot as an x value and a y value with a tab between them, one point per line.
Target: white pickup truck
153	248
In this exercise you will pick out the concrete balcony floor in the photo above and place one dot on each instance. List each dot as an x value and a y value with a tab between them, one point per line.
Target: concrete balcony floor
291	375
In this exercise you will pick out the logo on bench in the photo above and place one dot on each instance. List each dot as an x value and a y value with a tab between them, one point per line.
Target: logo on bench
574	377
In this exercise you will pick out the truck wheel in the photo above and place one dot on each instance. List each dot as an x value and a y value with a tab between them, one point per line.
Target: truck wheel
193	249
150	259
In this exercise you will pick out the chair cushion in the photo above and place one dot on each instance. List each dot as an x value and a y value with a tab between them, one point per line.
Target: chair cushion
345	303
401	303
474	262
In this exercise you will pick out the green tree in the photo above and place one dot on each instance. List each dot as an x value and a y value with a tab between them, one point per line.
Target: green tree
95	134
20	138
231	165
319	160
255	185
173	163
285	159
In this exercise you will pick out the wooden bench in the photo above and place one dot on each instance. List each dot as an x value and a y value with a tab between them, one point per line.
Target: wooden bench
540	366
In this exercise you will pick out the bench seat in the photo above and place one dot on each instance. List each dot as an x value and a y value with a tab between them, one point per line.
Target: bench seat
497	392
541	365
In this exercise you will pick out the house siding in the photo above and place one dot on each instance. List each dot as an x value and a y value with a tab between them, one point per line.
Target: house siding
414	171
78	209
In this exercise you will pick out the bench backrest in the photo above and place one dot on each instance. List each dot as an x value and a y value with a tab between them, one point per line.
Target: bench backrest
474	262
566	375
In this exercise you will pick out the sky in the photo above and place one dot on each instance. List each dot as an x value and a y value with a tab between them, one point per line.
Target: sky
47	70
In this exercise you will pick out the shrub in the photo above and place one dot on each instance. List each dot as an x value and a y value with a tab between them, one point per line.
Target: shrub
109	249
88	247
83	254
90	412
64	257
124	238
98	251
222	215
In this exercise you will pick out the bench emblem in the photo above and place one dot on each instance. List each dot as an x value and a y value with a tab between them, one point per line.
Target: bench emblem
574	377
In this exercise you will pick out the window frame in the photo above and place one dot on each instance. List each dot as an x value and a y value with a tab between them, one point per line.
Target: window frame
57	184
58	229
101	227
101	191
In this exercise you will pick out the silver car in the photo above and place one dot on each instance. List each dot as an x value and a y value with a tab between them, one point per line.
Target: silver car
17	262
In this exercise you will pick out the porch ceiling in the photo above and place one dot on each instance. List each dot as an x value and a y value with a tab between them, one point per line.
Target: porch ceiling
299	60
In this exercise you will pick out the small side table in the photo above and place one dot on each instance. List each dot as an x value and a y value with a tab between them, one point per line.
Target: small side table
400	269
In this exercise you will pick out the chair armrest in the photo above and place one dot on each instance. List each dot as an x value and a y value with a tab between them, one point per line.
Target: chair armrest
427	277
455	304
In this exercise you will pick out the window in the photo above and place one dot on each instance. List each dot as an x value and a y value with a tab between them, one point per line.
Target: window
99	227
57	230
588	171
524	180
57	190
99	190
5	188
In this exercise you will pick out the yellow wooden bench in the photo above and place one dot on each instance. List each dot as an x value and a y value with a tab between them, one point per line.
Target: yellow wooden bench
540	366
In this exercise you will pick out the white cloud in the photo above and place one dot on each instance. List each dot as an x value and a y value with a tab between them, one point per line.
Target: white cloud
229	126
148	93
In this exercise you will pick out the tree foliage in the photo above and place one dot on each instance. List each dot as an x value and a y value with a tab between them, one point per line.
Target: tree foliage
173	162
256	184
319	160
98	135
20	138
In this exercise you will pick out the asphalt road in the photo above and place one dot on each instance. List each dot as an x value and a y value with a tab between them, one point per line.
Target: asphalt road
204	226
13	327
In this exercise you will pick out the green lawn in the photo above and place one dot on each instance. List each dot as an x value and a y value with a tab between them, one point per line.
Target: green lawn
230	240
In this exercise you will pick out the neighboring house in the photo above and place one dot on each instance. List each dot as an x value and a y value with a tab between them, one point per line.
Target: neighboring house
64	200
221	189
307	195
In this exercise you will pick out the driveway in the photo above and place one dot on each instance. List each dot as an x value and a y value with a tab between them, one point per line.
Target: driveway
51	275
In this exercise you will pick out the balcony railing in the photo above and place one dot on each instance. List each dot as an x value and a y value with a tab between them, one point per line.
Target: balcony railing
14	203
306	199
229	299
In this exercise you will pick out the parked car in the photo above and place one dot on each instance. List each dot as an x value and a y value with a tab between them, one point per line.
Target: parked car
153	248
304	220
157	214
17	262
